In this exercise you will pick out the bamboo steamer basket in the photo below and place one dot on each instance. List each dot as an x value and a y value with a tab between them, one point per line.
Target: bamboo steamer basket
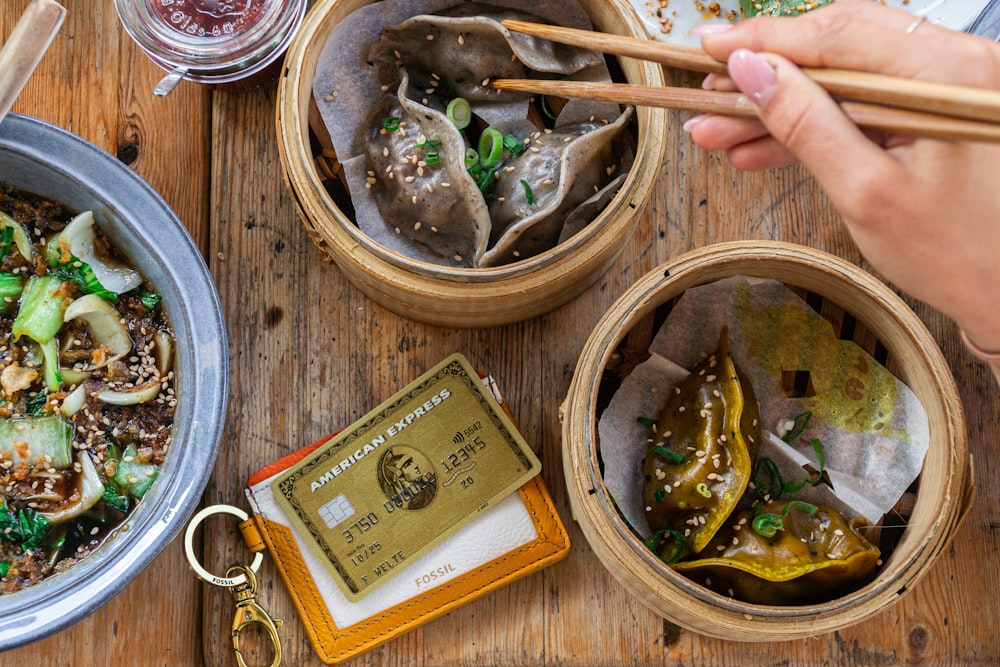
451	296
883	325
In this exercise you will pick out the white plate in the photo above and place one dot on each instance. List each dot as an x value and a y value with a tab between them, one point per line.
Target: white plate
673	20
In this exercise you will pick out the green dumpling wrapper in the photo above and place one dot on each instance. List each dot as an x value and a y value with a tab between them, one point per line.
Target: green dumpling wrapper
699	462
813	557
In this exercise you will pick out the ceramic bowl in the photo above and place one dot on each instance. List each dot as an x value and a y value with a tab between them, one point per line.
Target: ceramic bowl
50	161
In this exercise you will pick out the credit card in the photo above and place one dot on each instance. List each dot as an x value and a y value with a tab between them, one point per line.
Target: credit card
402	478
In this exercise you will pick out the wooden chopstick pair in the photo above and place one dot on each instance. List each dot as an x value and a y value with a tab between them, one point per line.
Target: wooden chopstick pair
873	101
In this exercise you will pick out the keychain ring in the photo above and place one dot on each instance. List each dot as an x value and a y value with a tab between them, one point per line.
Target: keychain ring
193	560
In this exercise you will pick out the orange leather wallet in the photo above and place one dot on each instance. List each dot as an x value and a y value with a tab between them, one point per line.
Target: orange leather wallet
517	536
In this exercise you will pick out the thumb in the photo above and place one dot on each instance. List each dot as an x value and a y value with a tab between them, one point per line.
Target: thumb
799	114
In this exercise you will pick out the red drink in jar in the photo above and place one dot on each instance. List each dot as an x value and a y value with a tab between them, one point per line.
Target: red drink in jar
212	41
208	18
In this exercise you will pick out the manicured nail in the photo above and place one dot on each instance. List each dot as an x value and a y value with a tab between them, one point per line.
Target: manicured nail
753	75
691	122
708	83
708	28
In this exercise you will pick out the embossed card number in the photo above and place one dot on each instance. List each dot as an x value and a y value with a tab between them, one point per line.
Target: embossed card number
401	479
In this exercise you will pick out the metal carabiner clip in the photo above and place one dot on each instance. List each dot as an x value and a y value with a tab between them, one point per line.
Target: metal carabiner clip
249	612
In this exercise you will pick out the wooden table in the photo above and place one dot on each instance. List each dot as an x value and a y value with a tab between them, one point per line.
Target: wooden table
310	353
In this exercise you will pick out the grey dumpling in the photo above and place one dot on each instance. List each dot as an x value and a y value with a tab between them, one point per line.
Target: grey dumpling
435	211
466	45
590	208
564	170
436	205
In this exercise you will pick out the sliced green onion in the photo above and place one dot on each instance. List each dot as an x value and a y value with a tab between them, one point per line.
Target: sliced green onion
490	147
703	490
646	420
659	495
391	123
800	505
487	180
4	568
820	457
424	142
773	485
668	454
432	157
545	108
529	196
817	477
653	544
800	422
459	112
511	143
471	157
767	525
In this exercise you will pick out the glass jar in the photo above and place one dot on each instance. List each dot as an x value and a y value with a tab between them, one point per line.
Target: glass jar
212	41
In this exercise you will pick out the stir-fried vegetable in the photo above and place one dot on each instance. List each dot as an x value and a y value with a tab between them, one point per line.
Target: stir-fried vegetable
25	527
88	492
32	439
11	286
40	315
133	475
73	392
104	324
75	246
11	232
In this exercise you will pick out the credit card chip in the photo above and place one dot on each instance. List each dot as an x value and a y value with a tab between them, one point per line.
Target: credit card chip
336	510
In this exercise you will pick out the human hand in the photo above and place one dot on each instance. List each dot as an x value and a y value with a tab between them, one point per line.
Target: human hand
926	213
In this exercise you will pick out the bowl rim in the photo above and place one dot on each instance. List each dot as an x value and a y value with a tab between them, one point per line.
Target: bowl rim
202	378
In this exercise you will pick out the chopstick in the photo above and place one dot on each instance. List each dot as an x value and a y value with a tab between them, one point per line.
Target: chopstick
867	116
923	96
25	46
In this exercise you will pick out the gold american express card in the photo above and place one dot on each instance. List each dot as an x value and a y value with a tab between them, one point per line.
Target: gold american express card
405	476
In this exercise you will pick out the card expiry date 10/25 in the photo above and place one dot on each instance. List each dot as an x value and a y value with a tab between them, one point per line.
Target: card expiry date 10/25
405	476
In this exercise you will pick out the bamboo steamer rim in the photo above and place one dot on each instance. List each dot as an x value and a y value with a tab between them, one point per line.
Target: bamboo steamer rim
447	295
946	487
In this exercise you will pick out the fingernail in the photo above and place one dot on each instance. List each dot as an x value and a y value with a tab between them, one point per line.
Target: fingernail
691	122
753	75
708	28
709	81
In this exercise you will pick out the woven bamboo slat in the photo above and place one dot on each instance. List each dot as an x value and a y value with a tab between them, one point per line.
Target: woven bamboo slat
884	325
448	296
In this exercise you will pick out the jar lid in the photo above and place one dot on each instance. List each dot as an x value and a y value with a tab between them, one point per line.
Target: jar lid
214	40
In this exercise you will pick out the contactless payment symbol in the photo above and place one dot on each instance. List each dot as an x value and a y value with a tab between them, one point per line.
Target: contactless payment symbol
336	510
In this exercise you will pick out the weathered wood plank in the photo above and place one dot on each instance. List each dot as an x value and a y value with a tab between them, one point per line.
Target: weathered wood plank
94	82
310	353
